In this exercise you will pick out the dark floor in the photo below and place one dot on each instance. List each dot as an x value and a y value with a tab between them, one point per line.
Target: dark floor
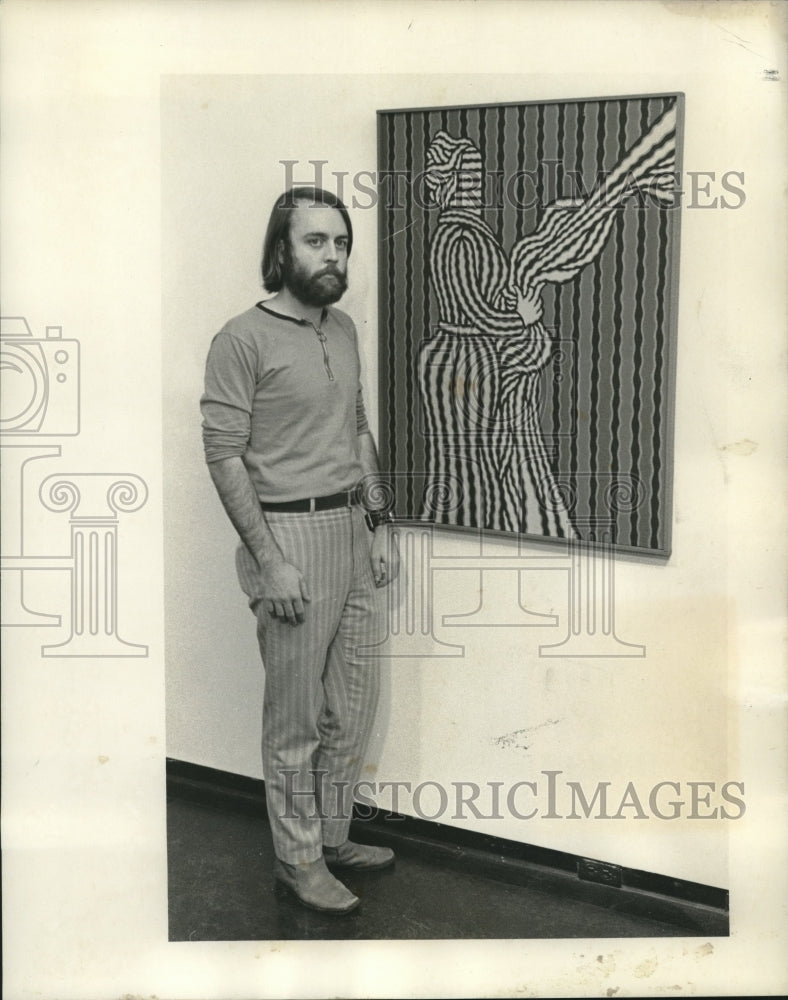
221	889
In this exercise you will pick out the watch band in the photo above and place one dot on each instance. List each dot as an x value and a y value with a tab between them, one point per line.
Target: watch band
375	518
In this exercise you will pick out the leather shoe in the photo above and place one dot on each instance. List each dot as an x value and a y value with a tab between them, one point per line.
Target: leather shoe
361	857
314	886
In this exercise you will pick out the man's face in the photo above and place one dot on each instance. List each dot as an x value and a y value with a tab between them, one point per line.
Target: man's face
315	261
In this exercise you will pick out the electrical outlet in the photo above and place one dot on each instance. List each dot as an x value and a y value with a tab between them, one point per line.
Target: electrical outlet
599	871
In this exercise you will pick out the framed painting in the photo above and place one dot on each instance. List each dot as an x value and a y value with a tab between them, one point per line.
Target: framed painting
528	261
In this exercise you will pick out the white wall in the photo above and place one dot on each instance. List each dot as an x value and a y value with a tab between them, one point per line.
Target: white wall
500	712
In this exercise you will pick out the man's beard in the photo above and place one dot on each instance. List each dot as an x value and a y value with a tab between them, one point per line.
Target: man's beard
322	288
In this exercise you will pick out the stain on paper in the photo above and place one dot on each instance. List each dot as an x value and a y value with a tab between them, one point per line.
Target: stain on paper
646	969
517	738
744	447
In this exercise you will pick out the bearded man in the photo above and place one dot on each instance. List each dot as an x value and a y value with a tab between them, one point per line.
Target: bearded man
288	445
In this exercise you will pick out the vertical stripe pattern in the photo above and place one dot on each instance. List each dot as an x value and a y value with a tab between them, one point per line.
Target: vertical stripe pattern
584	211
321	692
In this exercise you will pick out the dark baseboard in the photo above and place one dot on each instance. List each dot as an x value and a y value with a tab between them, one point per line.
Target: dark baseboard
702	908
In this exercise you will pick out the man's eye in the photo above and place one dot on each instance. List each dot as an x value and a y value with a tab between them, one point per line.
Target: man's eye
315	241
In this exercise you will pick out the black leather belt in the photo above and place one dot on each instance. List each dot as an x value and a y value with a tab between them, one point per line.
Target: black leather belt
344	499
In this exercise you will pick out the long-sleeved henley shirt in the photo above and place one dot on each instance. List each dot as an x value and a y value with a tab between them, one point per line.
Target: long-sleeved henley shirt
286	397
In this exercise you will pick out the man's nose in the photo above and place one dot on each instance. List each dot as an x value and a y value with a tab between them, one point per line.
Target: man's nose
331	250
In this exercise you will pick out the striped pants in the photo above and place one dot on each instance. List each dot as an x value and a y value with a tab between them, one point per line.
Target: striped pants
321	691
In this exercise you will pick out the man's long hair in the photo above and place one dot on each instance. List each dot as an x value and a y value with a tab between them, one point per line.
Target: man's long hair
279	228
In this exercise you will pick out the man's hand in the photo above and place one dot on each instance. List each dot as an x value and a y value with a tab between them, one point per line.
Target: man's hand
529	305
284	592
384	556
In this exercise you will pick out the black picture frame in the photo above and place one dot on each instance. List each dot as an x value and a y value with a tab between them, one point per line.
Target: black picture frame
561	428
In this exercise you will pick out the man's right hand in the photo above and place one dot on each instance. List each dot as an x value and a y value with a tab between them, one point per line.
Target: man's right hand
284	592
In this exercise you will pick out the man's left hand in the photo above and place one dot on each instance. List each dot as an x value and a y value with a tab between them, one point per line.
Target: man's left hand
384	556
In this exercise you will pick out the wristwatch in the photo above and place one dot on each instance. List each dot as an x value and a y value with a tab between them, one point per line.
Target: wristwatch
375	518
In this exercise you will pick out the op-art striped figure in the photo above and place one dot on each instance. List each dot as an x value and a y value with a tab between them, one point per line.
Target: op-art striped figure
481	369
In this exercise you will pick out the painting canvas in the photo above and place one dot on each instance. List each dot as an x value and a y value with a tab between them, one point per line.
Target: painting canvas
528	264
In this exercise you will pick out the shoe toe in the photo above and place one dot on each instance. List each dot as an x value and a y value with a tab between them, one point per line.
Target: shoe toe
361	857
315	887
